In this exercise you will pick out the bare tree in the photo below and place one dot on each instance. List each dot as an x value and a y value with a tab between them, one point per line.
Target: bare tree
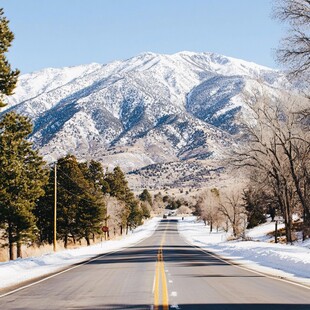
117	214
184	210
278	151
158	204
295	48
207	207
233	210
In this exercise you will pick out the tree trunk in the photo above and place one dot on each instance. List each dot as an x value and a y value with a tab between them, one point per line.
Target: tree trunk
276	233
288	232
298	187
87	240
19	249
11	242
66	241
11	251
288	211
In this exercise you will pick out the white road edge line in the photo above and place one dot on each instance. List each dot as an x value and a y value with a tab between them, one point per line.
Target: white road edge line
246	268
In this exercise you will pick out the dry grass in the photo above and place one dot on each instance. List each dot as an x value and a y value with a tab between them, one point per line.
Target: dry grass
30	251
297	228
35	250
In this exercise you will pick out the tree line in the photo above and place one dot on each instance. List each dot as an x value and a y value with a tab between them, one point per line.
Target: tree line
27	193
274	152
276	156
27	183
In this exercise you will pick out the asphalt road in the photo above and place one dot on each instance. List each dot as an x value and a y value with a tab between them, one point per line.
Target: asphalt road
161	272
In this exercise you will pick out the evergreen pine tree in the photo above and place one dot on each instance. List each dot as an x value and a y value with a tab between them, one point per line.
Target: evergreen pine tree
145	210
146	196
69	192
93	172
80	208
118	185
44	212
8	78
91	210
119	188
255	205
22	177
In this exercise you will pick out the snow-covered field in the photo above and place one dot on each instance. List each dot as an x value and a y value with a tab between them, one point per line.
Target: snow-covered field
286	261
290	262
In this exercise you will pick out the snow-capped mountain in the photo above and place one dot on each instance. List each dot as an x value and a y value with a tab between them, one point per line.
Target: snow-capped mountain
143	111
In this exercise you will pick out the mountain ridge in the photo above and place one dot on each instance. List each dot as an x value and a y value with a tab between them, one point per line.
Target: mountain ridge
149	109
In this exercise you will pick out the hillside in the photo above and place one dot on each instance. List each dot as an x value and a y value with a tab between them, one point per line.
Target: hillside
141	112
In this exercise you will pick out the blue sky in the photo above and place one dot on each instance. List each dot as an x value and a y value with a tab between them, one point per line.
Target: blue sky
58	33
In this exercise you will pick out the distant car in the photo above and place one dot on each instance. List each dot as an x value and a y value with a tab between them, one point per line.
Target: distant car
164	216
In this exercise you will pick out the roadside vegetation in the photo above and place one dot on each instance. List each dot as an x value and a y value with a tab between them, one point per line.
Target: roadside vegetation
274	153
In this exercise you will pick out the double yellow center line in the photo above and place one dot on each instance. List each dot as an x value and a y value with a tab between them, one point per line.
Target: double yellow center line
161	275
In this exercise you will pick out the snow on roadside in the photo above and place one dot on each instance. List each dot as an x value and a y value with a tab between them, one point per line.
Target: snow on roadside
287	261
20	270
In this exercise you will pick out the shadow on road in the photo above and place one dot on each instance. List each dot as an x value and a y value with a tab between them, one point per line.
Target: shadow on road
205	307
184	255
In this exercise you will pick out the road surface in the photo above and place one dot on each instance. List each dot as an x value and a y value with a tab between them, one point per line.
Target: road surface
160	273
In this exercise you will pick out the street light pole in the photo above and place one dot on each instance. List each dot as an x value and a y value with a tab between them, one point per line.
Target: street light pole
55	208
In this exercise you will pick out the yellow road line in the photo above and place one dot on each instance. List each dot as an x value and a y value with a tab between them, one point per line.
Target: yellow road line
160	270
164	287
156	291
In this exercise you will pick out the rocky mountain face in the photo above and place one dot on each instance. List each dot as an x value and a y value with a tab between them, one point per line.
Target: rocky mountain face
142	113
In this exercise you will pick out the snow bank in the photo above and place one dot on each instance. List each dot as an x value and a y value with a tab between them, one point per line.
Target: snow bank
20	270
290	262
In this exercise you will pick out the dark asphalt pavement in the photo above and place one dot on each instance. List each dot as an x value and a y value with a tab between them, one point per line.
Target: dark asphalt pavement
161	272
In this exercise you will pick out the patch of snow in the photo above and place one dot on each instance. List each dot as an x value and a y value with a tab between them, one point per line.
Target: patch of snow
260	232
286	261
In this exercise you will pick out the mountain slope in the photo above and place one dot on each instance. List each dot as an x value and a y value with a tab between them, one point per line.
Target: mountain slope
145	110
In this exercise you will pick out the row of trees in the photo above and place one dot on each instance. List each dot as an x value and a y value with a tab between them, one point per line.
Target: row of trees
274	154
22	177
84	194
84	190
222	209
276	129
277	156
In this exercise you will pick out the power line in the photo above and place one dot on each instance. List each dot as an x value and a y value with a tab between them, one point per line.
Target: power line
74	181
65	189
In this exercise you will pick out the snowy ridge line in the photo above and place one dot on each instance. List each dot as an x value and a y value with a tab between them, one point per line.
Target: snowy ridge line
153	105
17	272
285	263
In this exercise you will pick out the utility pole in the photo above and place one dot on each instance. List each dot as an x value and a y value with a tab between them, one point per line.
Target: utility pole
55	208
106	227
276	232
